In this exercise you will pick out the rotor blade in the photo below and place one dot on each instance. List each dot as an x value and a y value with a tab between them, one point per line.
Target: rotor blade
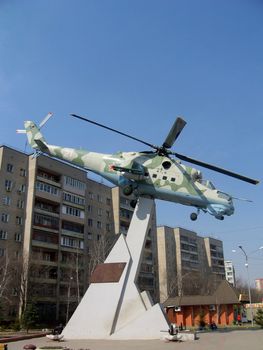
114	130
215	168
49	115
175	131
18	131
242	199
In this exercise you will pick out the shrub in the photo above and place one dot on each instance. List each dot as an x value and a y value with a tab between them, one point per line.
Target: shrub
16	326
259	317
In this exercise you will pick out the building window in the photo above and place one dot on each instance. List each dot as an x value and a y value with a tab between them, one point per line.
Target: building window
107	213
2	252
108	227
22	188
5	217
6	200
46	221
73	211
70	226
8	185
17	254
46	256
20	204
3	234
72	242
10	168
90	222
23	172
99	224
19	220
70	181
69	197
90	235
99	211
18	237
99	198
90	208
124	201
43	187
108	201
91	195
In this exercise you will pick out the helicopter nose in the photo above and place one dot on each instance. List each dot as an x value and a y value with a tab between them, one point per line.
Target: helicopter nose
220	210
229	207
230	210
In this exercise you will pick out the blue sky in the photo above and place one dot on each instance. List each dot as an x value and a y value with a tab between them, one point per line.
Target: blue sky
136	65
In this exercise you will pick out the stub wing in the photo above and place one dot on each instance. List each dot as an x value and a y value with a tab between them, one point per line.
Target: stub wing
135	172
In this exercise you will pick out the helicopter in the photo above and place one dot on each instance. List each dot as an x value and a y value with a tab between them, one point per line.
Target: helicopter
155	173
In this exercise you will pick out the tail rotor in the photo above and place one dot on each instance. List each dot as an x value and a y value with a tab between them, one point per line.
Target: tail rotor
34	136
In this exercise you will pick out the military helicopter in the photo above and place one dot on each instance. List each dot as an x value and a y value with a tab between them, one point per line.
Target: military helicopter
156	174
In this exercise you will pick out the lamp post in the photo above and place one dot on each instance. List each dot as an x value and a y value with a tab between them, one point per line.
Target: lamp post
248	280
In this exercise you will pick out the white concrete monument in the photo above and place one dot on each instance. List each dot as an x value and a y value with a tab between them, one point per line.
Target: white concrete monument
113	307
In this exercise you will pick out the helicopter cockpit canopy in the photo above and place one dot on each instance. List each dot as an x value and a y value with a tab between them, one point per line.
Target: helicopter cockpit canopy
208	184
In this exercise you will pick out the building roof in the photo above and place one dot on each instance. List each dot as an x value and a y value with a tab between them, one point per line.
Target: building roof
224	294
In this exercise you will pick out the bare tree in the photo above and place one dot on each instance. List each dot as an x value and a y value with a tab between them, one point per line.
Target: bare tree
98	251
5	277
242	287
13	282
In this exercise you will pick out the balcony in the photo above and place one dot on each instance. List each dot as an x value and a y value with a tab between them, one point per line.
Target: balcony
42	244
44	211
72	234
48	178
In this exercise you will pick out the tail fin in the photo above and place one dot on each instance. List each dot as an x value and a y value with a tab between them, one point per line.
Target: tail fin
34	136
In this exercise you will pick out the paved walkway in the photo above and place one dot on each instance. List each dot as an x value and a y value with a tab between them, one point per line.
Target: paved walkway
229	340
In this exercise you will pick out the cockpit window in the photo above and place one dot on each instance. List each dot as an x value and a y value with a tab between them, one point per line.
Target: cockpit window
208	184
223	195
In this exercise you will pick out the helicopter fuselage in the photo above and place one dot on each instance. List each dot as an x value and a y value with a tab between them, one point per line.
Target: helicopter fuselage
148	174
151	173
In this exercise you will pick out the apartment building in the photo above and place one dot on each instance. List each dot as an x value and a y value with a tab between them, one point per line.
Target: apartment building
259	284
184	258
57	225
230	272
13	193
215	256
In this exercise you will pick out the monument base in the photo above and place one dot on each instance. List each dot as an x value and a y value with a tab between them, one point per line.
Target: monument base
113	307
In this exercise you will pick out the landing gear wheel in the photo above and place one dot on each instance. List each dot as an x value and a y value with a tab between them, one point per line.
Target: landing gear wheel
127	190
133	203
193	216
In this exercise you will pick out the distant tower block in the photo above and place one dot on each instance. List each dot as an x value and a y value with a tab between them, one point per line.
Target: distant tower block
113	307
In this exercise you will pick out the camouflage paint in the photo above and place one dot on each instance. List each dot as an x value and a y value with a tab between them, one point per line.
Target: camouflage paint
175	182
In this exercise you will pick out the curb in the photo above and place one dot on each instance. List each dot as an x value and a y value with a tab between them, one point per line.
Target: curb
22	337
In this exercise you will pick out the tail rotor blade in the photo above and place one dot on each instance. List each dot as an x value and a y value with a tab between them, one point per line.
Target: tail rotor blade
47	117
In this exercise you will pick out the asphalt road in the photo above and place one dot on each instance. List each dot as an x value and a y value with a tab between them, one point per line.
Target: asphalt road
223	340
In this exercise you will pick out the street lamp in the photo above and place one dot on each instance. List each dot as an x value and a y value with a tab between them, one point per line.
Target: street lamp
248	279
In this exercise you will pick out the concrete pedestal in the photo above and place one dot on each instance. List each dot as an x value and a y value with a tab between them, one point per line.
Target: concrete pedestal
113	307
